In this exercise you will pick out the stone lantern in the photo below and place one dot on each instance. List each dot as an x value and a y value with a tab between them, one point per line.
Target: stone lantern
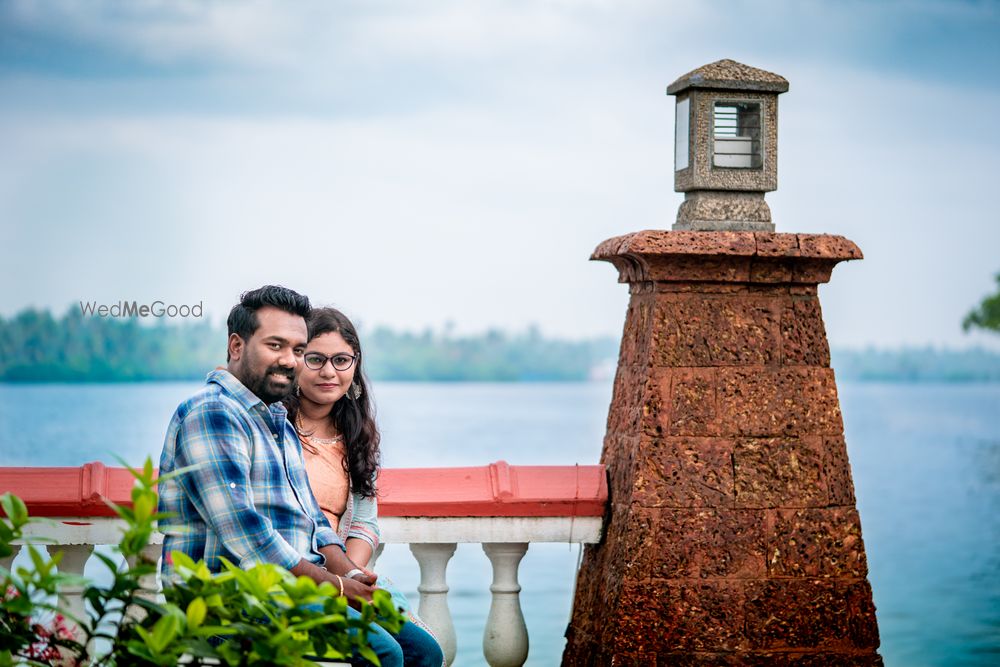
726	146
732	535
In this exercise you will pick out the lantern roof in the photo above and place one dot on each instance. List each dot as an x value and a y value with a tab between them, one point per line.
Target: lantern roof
730	75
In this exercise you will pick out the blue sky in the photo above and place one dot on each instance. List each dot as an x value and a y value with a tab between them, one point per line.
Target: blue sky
423	162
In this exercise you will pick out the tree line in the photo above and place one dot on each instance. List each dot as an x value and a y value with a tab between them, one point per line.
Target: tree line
36	346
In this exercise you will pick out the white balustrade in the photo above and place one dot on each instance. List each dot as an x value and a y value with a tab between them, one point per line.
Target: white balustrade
433	560
432	541
505	640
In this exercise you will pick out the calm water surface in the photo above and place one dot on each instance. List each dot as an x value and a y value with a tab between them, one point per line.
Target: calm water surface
926	462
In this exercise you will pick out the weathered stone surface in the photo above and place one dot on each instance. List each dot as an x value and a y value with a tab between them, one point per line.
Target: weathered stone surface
779	472
731	536
776	245
687	267
692	403
635	346
619	457
655	407
729	74
655	255
837	471
668	616
816	543
685	472
710	210
627	400
766	270
812	271
768	659
828	246
705	543
710	330
768	402
832	615
803	335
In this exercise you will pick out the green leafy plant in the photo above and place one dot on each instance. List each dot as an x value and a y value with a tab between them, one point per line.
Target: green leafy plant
260	616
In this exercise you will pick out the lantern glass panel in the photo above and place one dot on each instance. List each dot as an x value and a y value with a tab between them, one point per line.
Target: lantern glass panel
737	135
682	128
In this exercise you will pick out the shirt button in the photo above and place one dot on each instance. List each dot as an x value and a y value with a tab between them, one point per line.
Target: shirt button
232	485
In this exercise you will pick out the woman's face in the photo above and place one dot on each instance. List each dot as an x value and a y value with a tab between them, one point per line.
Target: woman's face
326	385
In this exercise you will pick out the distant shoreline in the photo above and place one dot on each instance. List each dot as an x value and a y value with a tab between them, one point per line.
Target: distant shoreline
37	347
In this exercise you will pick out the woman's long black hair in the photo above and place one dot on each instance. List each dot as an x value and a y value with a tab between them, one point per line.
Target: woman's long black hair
354	418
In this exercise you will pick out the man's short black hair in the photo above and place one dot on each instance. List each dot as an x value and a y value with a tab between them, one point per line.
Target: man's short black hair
243	317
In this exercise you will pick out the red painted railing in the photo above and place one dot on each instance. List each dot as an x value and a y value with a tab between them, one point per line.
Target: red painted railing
497	489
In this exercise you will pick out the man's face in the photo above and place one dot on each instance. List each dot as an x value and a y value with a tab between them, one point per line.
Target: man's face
266	363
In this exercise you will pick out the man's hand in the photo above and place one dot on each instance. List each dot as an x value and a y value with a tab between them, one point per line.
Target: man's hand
364	575
356	590
359	588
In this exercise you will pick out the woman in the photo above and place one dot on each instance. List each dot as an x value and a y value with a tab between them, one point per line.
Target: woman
334	416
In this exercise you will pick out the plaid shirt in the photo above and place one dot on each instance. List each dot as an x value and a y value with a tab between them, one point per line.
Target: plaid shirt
249	500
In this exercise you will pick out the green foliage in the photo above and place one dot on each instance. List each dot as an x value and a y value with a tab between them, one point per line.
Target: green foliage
987	315
261	616
36	347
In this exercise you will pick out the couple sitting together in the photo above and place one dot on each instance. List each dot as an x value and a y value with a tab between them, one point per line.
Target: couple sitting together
286	454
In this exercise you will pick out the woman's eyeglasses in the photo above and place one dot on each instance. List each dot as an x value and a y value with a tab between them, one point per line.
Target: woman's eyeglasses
341	362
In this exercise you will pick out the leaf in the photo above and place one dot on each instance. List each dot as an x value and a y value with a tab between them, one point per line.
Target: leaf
369	654
143	506
196	612
6	534
15	509
181	559
163	633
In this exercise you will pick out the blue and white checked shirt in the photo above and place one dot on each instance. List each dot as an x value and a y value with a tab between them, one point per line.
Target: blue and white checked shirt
250	499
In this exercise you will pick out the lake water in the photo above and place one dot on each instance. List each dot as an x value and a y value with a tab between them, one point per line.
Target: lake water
926	461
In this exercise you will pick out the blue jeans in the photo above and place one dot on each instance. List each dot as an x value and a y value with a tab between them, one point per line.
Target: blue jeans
412	647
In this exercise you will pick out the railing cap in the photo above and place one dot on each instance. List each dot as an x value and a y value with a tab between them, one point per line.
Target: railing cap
498	489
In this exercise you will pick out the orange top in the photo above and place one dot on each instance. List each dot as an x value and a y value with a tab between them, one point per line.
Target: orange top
497	489
329	480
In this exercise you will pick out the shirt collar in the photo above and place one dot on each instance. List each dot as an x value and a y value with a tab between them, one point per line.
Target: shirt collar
238	391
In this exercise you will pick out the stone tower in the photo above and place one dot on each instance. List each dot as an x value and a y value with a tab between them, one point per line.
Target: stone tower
732	535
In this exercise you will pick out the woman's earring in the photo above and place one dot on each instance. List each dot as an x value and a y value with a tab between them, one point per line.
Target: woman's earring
354	393
298	390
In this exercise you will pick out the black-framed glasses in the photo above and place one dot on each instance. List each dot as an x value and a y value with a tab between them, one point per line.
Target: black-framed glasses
341	362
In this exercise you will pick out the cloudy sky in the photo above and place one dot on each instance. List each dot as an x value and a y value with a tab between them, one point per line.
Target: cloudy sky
417	163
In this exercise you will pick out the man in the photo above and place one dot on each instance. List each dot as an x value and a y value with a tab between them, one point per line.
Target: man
248	499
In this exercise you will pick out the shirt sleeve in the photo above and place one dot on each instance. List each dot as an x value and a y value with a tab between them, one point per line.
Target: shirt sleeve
364	522
324	533
214	440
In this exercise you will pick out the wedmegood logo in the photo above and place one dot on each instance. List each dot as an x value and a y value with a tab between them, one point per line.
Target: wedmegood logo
135	309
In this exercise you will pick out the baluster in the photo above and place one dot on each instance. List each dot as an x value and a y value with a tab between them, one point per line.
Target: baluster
505	640
433	560
74	560
149	589
150	583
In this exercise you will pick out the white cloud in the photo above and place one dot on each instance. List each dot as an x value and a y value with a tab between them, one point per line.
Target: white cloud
549	133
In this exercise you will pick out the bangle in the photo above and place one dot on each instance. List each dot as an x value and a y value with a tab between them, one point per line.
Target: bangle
357	570
341	582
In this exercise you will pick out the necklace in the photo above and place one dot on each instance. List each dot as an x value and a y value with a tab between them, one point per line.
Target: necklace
311	438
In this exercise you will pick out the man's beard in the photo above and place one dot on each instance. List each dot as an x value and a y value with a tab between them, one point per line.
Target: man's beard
265	387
